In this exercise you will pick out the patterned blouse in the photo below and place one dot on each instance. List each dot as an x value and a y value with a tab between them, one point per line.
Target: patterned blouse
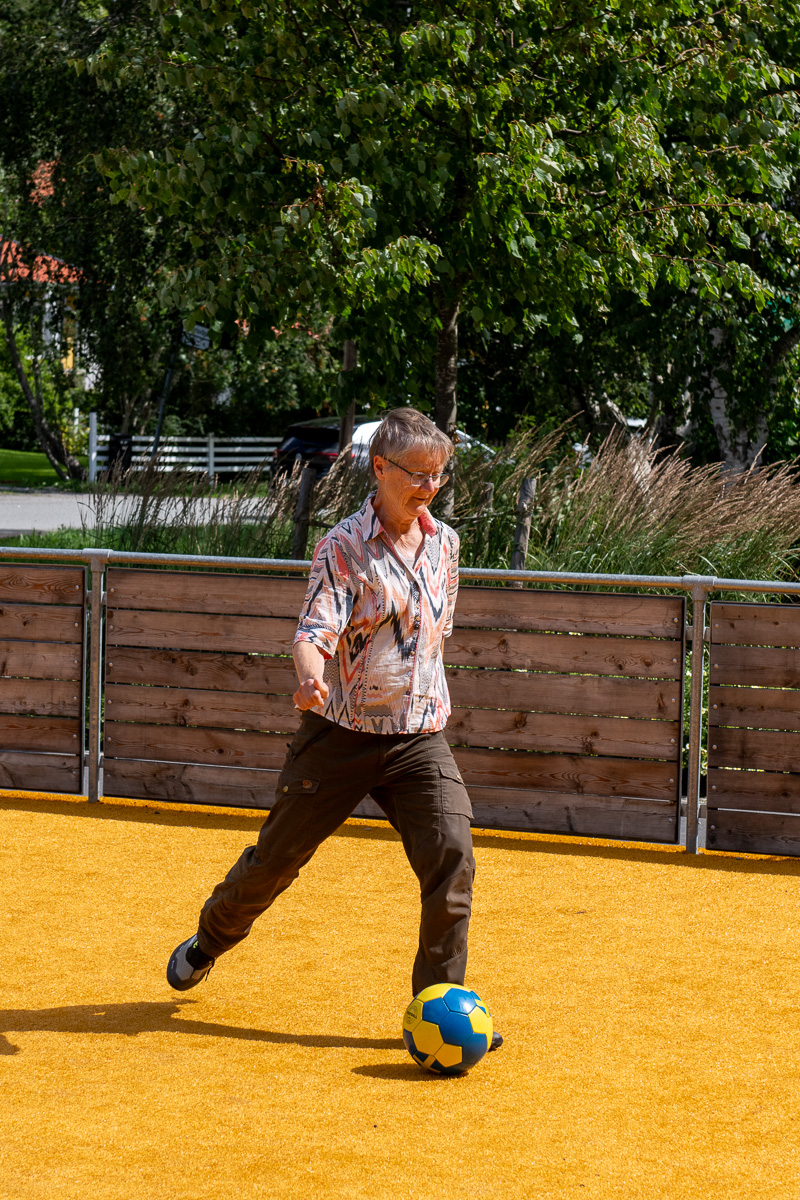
380	624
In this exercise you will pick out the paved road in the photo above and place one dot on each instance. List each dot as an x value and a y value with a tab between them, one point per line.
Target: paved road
23	512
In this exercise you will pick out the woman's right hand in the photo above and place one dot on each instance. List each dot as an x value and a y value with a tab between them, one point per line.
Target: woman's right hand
312	693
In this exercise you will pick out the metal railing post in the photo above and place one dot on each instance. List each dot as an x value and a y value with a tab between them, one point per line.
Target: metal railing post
97	564
700	587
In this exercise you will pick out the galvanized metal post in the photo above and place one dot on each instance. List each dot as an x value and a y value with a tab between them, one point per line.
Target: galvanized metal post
97	563
700	588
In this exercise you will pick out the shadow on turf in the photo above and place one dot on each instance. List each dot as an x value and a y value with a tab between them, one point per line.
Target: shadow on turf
249	821
408	1072
158	1017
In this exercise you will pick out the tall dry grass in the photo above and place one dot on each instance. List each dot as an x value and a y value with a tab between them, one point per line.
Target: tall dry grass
635	510
632	510
150	510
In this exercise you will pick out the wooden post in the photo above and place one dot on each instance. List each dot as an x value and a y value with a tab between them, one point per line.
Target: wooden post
487	499
302	512
348	421
522	533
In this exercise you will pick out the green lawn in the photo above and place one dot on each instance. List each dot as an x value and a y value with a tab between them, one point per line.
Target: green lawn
26	468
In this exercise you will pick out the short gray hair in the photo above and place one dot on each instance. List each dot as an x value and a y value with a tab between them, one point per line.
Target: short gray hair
405	429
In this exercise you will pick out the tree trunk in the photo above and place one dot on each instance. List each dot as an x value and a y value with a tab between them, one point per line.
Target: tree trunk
447	364
65	465
348	421
737	450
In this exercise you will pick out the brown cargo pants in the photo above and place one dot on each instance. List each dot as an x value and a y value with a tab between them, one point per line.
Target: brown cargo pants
329	769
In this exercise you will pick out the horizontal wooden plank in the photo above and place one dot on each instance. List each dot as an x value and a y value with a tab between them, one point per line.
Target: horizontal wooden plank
599	695
223	672
29	583
41	622
40	660
474	647
534	691
753	749
590	816
235	787
169	743
41	772
45	697
755	624
754	833
191	706
492	768
757	708
192	591
53	734
471	727
755	666
568	612
587	815
201	631
563	652
565	734
576	774
768	791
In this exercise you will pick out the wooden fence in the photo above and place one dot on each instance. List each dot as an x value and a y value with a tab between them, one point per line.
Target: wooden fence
754	728
567	707
194	708
42	668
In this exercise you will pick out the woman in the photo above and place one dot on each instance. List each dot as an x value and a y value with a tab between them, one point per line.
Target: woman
373	694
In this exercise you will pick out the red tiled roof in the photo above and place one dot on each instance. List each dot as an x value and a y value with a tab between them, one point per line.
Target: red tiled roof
15	267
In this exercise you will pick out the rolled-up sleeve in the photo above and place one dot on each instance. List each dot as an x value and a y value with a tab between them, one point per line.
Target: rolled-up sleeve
452	581
329	599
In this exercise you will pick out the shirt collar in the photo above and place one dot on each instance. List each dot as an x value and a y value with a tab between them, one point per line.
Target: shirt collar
372	527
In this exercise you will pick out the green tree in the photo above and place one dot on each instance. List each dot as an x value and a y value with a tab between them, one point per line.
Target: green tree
512	163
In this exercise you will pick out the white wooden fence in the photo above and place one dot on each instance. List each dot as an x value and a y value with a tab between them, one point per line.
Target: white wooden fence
211	455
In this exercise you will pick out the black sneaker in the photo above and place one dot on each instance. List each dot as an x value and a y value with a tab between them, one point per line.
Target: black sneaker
188	966
497	1040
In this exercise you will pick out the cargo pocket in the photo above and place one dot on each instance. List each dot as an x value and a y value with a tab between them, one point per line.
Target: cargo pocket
454	797
287	834
290	784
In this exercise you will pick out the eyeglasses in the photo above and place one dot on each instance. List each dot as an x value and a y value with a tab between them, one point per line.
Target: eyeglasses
420	477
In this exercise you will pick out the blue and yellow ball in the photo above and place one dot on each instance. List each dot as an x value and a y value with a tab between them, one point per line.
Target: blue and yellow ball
447	1028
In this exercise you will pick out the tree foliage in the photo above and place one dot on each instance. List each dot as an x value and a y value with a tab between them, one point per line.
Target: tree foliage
515	164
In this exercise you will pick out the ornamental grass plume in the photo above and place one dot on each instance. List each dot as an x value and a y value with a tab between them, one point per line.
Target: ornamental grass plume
640	511
632	510
636	510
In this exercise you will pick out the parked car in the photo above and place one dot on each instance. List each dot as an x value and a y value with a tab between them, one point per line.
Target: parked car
315	442
362	437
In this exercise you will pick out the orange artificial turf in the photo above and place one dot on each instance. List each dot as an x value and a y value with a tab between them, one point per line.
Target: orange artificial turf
648	999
